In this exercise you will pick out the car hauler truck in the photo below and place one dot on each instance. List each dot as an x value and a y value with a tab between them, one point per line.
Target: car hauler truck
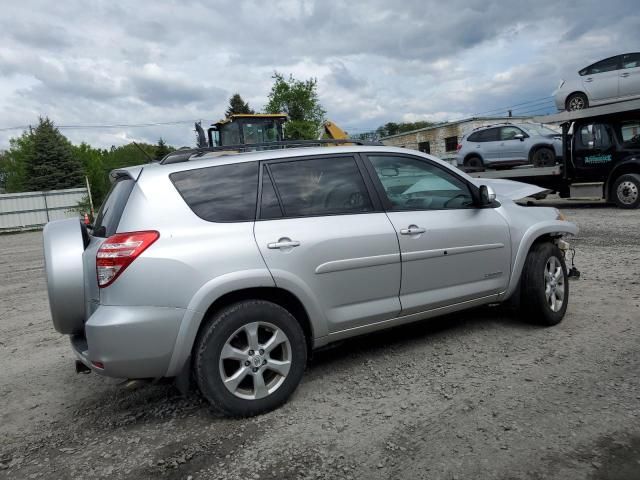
601	156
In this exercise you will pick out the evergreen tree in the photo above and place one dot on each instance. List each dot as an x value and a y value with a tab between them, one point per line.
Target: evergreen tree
162	149
49	162
237	105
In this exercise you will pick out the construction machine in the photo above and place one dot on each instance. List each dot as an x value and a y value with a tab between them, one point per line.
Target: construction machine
258	128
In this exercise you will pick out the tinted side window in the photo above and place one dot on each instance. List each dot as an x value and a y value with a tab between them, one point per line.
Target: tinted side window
111	210
269	204
321	186
488	135
226	193
606	65
412	184
631	60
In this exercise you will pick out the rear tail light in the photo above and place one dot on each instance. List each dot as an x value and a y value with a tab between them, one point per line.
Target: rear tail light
118	252
458	147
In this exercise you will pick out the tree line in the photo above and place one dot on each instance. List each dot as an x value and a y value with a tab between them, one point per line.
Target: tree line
42	158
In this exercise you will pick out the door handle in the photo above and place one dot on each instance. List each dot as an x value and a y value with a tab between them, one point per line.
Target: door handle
412	230
283	243
626	74
589	80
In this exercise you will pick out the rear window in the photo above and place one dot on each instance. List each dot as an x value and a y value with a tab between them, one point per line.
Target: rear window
226	193
111	210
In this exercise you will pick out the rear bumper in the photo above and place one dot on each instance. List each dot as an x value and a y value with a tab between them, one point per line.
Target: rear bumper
130	342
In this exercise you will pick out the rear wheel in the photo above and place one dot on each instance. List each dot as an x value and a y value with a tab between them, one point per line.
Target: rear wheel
577	101
626	191
473	162
545	285
544	157
250	358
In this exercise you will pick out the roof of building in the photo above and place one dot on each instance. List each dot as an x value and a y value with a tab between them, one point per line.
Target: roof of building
457	122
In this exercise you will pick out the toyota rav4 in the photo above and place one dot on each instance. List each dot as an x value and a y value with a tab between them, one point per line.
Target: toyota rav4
229	269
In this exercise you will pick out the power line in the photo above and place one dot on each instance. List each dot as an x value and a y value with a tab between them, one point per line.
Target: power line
106	126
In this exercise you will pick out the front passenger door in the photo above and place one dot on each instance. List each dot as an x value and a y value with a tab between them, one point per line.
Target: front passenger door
451	251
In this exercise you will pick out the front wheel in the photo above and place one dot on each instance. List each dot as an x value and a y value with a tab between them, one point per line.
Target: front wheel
626	191
250	358
544	285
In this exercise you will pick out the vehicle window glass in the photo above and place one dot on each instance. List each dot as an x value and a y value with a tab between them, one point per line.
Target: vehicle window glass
488	135
630	131
604	66
509	133
321	186
269	205
631	60
412	184
594	136
260	132
111	210
474	137
230	134
226	193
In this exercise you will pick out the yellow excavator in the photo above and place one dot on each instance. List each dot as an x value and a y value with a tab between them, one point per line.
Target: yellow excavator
256	128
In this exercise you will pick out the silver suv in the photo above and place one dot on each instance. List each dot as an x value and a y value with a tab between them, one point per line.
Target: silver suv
509	144
229	269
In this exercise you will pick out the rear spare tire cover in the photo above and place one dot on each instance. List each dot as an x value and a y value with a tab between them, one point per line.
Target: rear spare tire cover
63	248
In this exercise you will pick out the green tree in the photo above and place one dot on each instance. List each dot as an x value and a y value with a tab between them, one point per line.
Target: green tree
299	100
51	164
392	128
237	105
93	163
162	149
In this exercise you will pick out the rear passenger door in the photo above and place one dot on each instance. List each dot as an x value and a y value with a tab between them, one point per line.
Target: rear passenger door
488	145
324	236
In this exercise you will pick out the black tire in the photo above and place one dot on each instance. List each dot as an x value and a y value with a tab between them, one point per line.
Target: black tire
577	101
534	303
214	336
626	191
543	157
473	162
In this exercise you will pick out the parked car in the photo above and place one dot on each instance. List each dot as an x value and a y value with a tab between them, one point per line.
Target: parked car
230	269
610	80
509	144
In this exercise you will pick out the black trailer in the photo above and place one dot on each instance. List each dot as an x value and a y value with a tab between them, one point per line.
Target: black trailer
601	156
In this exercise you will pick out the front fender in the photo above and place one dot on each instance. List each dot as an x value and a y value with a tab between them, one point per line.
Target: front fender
200	303
551	227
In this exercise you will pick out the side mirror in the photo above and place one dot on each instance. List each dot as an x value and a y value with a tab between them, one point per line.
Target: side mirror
519	136
487	195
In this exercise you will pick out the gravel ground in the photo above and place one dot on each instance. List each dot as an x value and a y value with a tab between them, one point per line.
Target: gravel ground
477	395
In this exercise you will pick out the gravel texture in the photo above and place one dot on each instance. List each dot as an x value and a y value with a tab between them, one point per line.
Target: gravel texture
476	395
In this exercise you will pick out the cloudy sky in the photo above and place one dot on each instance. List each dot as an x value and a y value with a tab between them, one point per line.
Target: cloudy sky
173	62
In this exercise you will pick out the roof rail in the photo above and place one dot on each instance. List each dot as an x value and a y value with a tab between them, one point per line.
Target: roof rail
185	154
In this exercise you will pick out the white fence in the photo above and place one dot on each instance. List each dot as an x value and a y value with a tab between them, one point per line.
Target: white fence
34	209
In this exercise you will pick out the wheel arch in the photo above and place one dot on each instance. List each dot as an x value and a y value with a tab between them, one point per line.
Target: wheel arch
544	231
471	155
630	165
223	291
538	146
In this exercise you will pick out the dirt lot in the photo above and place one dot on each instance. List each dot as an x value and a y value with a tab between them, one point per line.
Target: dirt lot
478	395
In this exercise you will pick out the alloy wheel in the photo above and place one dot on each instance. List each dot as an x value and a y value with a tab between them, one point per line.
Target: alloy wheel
554	284
255	360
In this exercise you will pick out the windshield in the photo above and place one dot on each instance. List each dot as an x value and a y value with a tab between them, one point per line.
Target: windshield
540	130
264	131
